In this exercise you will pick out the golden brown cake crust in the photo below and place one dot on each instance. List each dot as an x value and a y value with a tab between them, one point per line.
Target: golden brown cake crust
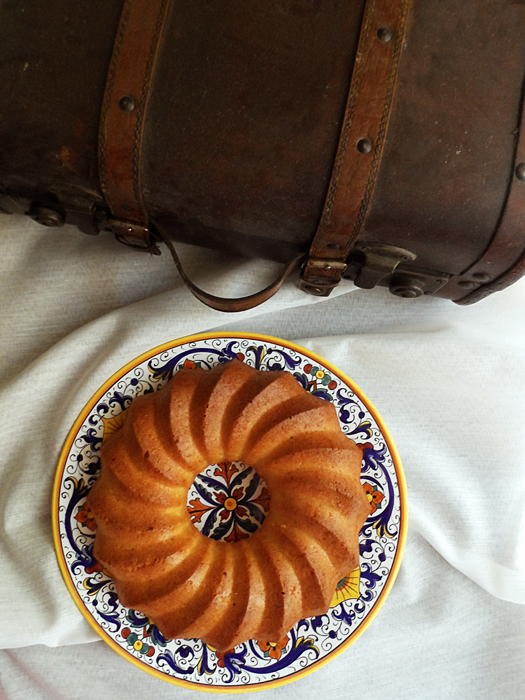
227	592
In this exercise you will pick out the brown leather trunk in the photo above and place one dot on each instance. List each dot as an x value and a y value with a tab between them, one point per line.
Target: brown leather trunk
249	108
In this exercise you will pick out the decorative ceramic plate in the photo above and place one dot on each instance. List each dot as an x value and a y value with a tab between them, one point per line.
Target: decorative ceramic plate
227	502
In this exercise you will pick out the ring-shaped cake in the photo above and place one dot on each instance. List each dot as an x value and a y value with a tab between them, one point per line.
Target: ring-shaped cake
224	593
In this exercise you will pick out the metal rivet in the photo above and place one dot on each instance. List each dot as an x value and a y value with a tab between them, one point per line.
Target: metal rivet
407	287
384	34
467	284
481	277
407	293
364	146
327	267
520	171
127	103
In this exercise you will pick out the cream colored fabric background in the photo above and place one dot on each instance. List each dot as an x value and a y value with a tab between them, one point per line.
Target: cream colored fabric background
449	382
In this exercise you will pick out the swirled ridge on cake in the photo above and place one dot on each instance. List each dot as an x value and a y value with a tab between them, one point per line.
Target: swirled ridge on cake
224	593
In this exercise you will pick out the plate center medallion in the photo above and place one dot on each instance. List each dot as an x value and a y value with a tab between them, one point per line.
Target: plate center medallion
228	501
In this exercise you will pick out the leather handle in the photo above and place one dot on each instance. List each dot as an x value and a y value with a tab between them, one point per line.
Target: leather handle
229	305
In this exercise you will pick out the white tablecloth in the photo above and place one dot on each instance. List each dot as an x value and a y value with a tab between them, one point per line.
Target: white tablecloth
449	382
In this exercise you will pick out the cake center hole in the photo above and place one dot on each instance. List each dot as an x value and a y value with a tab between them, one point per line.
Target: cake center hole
228	501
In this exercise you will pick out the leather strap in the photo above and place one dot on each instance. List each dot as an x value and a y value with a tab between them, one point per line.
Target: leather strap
361	143
223	303
123	112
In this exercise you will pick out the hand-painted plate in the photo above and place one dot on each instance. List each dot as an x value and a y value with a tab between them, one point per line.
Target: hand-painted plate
254	664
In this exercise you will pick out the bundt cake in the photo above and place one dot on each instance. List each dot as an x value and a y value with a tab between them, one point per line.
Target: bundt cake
224	593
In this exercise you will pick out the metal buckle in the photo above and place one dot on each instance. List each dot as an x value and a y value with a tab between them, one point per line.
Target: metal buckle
131	234
321	286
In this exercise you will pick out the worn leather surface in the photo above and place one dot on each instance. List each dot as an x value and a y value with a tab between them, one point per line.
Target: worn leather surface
54	59
246	111
245	114
449	153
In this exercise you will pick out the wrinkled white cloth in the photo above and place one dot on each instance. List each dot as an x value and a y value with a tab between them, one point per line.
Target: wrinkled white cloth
449	382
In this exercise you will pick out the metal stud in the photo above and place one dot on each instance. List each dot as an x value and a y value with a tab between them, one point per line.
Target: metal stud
407	293
316	291
467	284
520	171
127	103
407	287
384	34
364	146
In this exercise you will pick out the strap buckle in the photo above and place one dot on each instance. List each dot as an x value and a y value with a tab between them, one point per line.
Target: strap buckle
131	234
320	276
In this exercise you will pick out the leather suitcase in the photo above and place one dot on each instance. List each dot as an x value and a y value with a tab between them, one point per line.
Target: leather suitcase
378	140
